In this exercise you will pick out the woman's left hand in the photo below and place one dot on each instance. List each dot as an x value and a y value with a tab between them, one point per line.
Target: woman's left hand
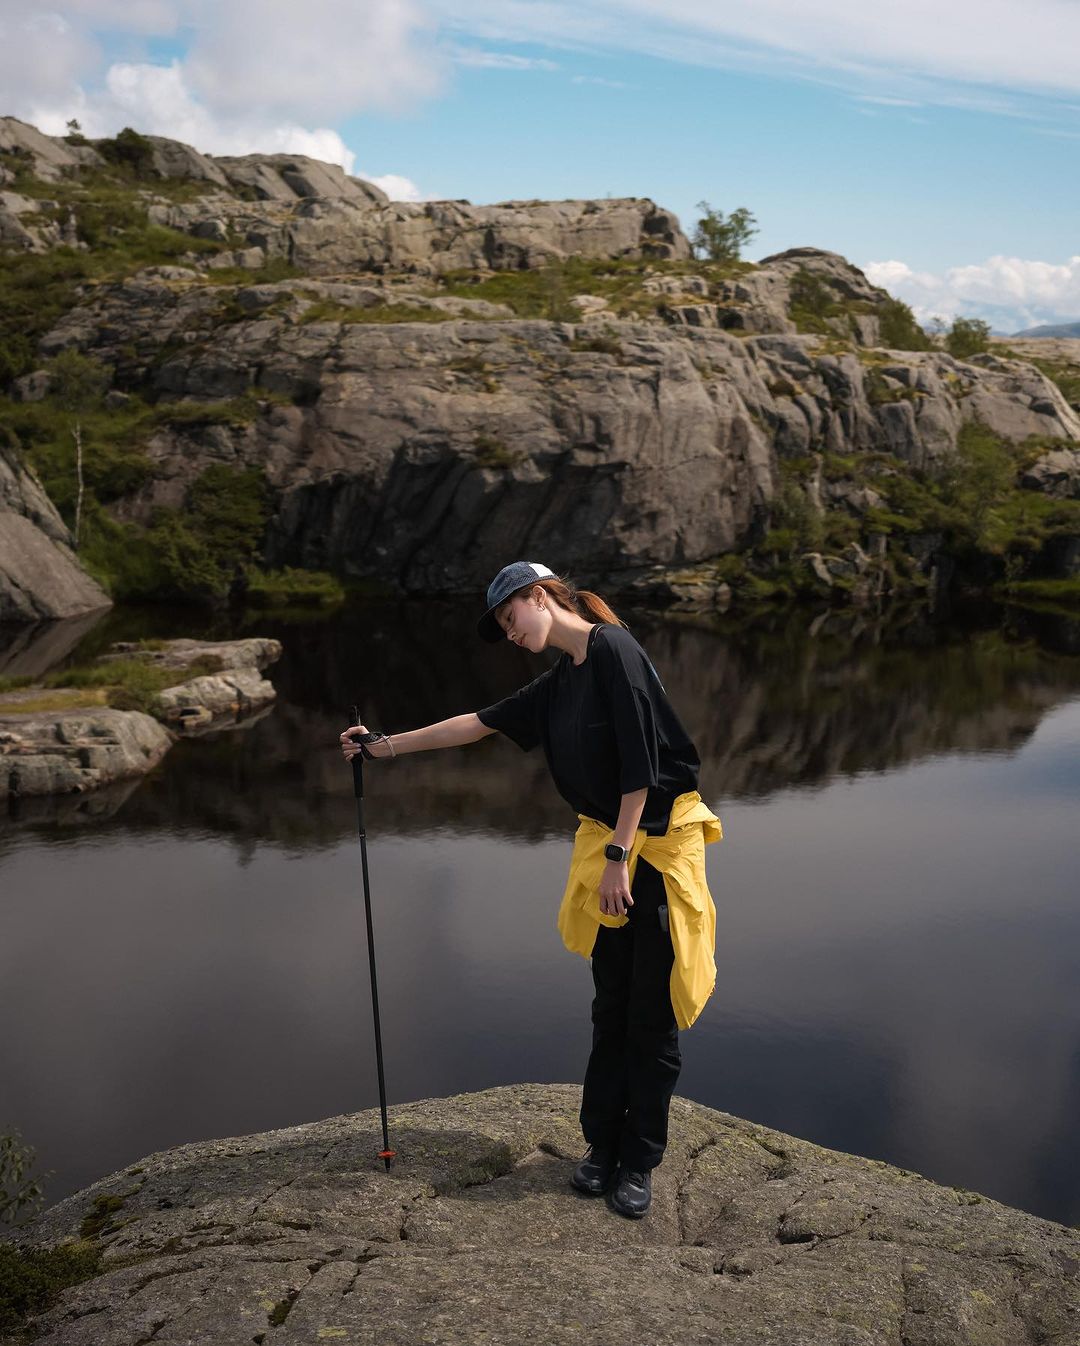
615	888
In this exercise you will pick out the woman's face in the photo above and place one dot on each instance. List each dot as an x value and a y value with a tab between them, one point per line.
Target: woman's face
523	622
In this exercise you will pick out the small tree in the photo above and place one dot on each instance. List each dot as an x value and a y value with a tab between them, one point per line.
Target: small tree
967	336
20	1190
77	383
723	238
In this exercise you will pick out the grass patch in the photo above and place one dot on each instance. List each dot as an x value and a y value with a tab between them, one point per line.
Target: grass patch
492	452
1062	591
545	292
275	269
49	703
124	684
233	411
32	1279
879	390
294	588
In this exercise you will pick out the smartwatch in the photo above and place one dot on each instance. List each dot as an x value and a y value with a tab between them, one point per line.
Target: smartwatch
614	852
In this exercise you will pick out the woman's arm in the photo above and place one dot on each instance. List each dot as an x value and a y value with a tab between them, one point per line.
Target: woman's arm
630	811
452	733
615	881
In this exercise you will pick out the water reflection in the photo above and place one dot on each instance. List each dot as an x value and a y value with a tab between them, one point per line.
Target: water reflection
897	937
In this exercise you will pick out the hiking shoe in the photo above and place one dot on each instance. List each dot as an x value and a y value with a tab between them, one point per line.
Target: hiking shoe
595	1171
632	1192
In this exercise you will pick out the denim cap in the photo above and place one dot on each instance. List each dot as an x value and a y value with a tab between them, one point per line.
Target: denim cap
509	579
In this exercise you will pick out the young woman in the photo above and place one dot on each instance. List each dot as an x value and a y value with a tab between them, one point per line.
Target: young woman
636	901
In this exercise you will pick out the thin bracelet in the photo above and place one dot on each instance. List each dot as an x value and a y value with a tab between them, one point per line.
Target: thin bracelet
365	751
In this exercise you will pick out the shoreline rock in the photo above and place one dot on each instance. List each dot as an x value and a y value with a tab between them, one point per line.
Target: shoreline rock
72	751
754	1237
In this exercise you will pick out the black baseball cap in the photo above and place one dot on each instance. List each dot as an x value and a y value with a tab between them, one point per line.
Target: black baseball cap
509	579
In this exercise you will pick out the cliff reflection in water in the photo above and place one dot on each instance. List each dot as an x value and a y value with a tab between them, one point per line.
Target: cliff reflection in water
791	702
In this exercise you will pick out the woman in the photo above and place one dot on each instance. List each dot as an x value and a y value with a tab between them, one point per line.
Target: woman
636	901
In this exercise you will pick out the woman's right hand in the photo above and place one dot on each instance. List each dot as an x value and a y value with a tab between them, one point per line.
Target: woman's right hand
349	749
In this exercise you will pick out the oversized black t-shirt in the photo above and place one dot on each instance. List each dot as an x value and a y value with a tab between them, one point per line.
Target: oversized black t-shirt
607	728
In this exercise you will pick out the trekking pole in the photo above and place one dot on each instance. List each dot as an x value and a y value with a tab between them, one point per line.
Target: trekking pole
386	1153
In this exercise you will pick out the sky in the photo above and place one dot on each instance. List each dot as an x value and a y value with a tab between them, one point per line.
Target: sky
934	145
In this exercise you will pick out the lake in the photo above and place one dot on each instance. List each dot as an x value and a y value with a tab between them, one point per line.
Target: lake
898	934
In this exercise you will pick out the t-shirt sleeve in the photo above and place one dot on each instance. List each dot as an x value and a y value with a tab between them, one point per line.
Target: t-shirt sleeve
518	715
631	685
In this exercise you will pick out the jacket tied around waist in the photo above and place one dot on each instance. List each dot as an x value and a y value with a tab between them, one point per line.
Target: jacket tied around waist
679	855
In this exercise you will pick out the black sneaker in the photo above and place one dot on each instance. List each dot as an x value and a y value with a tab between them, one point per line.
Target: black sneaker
596	1169
632	1193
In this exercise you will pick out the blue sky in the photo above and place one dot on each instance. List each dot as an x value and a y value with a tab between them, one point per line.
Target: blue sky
939	157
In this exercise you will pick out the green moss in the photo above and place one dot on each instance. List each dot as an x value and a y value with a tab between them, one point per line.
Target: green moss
879	390
1062	591
132	684
492	452
98	1219
289	587
32	1279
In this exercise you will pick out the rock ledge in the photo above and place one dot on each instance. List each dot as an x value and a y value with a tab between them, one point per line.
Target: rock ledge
754	1237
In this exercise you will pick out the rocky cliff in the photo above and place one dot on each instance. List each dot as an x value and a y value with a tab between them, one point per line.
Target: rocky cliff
40	576
475	1234
424	389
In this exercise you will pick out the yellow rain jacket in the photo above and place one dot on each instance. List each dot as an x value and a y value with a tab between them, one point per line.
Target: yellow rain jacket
680	856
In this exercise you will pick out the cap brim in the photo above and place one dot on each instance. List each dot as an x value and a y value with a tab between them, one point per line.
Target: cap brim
487	628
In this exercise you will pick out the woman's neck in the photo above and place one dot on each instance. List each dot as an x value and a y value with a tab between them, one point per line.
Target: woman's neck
570	633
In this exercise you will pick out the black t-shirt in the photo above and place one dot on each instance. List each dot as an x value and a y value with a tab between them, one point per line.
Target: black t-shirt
607	728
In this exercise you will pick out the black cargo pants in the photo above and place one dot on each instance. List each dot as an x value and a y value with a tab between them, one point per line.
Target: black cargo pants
635	1058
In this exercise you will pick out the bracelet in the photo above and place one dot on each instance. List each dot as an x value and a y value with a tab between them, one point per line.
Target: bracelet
376	737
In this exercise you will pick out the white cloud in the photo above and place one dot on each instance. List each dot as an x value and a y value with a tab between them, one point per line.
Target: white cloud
1011	293
259	76
921	50
157	101
500	60
599	79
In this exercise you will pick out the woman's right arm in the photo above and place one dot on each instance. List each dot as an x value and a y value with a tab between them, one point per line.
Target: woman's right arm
452	733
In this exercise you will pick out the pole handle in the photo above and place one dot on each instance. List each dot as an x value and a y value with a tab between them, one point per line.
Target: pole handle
358	760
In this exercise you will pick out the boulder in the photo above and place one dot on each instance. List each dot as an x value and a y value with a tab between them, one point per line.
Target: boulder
755	1237
1055	473
50	157
56	753
40	575
284	177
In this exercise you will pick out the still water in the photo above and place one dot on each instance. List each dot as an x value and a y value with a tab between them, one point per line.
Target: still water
898	936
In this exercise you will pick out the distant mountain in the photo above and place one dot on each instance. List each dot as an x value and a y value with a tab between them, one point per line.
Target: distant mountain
1061	329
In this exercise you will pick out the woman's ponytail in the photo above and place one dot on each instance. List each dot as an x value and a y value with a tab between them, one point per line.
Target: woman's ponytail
583	602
